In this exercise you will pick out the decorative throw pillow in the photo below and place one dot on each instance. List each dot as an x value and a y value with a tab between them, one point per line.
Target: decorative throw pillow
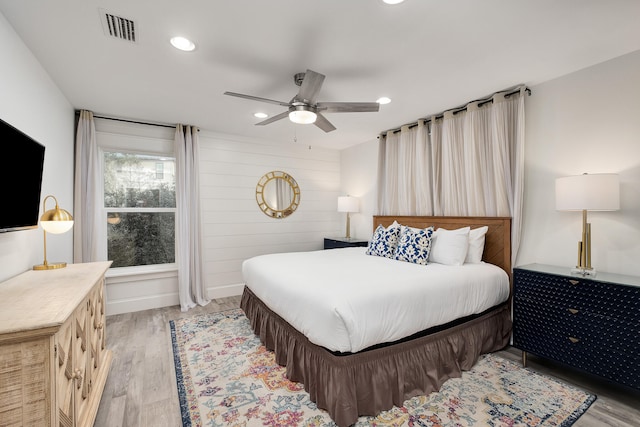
414	245
449	247
384	241
476	245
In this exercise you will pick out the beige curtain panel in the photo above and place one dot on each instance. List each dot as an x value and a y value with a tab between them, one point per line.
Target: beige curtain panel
466	163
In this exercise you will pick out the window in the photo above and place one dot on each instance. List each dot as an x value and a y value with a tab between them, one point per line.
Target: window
140	203
137	226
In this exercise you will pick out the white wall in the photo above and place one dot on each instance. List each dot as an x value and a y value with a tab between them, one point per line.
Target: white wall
359	166
234	228
587	121
31	102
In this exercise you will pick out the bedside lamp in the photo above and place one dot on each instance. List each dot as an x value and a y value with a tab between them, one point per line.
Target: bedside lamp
587	192
348	204
55	221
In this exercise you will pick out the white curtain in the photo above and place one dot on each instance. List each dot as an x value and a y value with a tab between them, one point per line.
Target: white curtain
86	191
405	172
191	284
467	163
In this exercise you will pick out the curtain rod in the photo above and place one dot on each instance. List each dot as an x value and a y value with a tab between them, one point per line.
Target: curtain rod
457	110
134	121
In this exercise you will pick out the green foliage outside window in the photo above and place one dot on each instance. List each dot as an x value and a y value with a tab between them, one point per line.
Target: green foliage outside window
141	209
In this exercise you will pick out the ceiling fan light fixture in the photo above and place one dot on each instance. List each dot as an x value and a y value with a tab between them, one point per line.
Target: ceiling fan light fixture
303	108
302	116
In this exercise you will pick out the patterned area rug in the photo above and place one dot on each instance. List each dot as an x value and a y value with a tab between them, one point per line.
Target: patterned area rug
225	377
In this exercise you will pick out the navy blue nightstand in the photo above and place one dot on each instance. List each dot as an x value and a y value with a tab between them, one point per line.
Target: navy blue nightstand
343	242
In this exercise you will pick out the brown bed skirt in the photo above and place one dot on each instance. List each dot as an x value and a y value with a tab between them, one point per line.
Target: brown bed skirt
365	383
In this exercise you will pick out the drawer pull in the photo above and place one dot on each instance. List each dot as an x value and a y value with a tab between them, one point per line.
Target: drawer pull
574	282
573	340
573	311
79	378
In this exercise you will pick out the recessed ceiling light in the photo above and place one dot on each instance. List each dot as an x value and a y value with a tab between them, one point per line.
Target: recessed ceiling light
182	43
383	100
261	115
393	1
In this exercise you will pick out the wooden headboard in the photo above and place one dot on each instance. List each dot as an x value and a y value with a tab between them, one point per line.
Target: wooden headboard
497	245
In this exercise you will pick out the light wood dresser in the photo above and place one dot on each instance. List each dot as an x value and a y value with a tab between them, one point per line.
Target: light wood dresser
53	358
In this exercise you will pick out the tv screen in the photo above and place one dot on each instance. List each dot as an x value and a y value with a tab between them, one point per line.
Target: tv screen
21	179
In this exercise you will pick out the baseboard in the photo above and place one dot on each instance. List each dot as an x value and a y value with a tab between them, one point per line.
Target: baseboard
148	302
225	291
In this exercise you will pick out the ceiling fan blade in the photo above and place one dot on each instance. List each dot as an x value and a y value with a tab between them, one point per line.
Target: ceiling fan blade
310	86
323	123
273	118
348	107
257	98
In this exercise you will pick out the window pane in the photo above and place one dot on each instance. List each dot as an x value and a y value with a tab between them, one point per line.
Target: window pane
140	231
141	238
135	181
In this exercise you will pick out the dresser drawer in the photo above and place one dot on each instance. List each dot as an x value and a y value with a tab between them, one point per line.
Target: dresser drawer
619	366
611	354
563	318
606	299
547	330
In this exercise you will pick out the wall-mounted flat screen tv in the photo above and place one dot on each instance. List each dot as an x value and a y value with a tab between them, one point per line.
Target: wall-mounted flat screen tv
21	178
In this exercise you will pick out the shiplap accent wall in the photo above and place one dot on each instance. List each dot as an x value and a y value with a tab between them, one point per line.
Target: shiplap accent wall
234	228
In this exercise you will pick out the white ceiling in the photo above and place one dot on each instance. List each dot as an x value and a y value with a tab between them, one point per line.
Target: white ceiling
426	55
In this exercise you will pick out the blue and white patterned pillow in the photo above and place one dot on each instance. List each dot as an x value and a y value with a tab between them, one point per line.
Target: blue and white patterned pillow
414	245
384	241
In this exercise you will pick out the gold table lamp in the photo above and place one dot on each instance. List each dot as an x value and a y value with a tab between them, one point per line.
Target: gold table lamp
55	221
587	192
348	204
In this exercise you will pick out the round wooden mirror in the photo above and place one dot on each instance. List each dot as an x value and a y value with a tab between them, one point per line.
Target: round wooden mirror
277	194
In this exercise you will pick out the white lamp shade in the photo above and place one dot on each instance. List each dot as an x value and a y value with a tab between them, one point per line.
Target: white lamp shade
56	227
592	192
348	204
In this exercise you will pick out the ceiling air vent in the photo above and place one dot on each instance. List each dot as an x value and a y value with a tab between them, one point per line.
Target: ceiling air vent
118	27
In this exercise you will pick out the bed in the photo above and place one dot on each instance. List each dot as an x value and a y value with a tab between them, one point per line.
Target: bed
324	318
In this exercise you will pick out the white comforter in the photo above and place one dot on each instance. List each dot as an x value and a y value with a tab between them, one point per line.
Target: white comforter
345	300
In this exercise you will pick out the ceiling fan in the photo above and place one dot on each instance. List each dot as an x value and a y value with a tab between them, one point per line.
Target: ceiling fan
304	108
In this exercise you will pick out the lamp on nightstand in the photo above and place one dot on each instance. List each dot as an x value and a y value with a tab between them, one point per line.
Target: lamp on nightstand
587	192
349	205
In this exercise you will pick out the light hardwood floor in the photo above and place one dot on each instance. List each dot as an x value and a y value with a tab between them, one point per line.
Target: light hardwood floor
141	388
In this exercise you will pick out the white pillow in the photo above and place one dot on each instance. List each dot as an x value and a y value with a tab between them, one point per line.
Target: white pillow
450	247
476	245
